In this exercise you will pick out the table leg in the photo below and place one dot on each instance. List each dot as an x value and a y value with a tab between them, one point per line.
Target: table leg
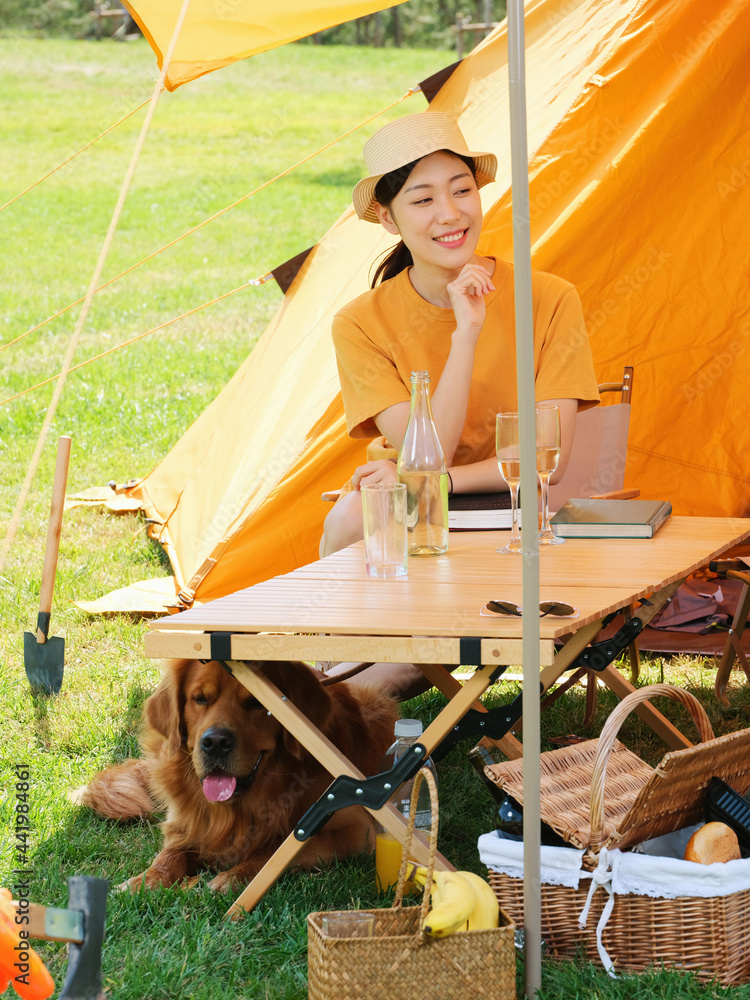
335	762
611	676
458	706
661	726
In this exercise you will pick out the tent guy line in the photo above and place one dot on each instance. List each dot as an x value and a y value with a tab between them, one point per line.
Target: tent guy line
75	336
126	343
257	281
72	157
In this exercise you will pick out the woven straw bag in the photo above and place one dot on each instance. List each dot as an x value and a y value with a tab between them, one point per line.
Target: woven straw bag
707	935
399	960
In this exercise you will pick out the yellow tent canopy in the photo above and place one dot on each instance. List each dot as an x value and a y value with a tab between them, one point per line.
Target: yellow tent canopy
216	33
639	160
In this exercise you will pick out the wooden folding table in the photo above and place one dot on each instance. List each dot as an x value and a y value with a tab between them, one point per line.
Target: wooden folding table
331	610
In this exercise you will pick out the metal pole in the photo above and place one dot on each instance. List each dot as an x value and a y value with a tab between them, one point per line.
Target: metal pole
529	508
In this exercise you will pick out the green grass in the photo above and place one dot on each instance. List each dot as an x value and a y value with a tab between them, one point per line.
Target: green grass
212	142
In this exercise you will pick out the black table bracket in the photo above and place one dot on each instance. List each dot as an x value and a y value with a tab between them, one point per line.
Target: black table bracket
372	792
599	655
495	723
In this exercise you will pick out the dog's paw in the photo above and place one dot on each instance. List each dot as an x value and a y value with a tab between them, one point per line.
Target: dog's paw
147	880
225	882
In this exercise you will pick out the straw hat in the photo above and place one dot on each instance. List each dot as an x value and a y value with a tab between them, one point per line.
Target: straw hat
410	138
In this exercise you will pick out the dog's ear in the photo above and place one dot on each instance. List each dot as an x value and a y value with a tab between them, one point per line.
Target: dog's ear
302	687
164	710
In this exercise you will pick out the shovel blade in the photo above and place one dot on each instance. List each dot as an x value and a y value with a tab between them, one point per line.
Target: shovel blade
44	662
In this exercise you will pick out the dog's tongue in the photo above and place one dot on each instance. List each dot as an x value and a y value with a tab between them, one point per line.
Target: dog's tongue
218	787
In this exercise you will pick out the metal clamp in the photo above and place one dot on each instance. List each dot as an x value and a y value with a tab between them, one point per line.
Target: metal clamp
599	655
372	792
495	723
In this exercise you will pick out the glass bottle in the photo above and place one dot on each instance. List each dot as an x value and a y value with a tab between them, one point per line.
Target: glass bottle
387	849
421	465
508	813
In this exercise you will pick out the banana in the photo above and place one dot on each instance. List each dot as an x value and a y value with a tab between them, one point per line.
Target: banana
486	913
457	902
418	874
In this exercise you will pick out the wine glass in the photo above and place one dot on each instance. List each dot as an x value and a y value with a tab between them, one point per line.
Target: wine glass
509	461
547	457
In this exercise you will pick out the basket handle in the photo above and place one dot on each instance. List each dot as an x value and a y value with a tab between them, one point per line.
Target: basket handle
425	774
609	733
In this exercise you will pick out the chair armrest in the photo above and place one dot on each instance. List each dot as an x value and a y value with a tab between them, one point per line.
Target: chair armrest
616	495
330	495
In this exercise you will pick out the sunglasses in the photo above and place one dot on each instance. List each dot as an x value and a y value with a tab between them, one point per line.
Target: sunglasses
556	609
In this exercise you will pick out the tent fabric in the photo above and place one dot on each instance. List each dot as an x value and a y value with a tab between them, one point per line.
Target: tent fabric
639	168
219	32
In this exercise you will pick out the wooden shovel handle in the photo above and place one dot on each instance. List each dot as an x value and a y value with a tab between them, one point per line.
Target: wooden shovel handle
52	548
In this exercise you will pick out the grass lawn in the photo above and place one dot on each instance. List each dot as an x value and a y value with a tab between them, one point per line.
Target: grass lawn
212	141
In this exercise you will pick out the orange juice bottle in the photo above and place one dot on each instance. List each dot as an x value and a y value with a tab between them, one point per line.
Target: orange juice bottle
387	847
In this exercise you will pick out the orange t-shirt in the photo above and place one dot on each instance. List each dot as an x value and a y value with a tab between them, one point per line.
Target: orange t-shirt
389	332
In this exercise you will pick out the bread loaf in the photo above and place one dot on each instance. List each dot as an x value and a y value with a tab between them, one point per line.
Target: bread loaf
713	842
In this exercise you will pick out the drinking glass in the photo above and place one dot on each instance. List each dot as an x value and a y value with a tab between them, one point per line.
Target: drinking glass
547	457
509	461
384	519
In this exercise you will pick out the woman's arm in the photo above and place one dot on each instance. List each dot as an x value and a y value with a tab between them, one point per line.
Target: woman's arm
485	476
450	397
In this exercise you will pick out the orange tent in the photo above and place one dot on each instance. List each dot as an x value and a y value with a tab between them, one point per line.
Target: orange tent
639	162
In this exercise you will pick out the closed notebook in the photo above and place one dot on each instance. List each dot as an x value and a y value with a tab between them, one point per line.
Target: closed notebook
610	518
479	511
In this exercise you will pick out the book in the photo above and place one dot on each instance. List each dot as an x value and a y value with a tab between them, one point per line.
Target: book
479	511
581	518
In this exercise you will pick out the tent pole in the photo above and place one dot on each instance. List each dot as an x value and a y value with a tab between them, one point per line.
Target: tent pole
529	513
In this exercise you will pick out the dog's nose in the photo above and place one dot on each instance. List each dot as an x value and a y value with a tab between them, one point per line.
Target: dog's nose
218	741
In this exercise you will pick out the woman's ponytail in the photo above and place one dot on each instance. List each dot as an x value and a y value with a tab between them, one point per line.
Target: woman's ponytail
396	259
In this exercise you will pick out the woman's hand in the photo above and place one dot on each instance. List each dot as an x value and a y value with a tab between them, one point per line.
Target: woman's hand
467	293
383	470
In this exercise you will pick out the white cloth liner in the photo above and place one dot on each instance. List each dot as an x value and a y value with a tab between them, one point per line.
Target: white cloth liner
560	865
639	873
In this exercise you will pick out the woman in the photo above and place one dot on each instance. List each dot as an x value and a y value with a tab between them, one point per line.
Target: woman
437	305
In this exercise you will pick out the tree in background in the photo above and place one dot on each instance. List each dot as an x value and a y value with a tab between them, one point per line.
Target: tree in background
416	24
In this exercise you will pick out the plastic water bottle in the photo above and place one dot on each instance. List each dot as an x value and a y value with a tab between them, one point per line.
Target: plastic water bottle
421	465
387	848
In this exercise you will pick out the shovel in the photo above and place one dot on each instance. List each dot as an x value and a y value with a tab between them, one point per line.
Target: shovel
44	658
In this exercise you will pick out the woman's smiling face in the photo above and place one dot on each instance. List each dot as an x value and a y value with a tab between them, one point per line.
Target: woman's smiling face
437	213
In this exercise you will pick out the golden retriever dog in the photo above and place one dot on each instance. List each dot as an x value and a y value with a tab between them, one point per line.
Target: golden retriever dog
232	781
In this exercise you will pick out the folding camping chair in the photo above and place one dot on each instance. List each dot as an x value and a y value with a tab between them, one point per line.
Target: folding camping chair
733	569
596	469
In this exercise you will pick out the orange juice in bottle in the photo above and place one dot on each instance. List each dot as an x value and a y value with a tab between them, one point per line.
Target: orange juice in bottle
387	847
387	860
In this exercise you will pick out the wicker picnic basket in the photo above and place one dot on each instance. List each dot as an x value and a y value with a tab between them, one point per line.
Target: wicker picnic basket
709	935
399	960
